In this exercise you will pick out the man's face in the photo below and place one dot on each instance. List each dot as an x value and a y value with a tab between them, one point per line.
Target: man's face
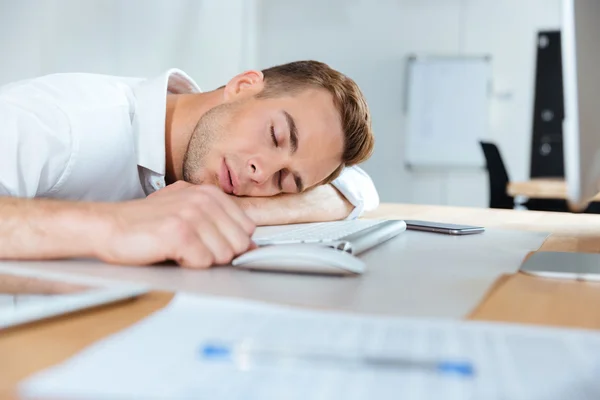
266	146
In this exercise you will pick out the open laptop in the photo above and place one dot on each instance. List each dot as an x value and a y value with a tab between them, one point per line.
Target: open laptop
354	236
32	295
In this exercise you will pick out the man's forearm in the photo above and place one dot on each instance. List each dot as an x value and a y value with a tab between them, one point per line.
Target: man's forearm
46	229
322	203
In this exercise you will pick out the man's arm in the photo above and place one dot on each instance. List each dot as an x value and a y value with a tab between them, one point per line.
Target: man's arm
46	229
322	203
348	197
196	226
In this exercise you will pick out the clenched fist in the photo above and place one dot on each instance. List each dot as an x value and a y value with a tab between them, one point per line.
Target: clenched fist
194	225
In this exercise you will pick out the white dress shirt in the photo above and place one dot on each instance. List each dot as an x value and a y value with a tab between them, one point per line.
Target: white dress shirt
96	137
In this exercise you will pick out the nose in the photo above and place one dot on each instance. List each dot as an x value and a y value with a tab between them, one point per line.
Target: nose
258	172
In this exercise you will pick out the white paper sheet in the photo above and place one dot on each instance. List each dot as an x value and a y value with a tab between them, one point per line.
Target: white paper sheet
160	357
416	274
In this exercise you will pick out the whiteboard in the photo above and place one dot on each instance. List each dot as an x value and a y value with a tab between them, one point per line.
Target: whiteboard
447	106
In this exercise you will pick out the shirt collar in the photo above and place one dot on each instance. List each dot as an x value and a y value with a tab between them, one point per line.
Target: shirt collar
150	113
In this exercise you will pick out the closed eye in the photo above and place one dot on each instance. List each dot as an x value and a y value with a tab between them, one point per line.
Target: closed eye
274	137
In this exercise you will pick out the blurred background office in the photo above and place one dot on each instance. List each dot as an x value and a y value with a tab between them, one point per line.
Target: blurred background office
370	40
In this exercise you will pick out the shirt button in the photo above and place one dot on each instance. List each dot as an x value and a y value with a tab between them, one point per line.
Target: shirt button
158	183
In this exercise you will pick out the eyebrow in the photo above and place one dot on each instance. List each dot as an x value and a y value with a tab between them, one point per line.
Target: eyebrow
294	146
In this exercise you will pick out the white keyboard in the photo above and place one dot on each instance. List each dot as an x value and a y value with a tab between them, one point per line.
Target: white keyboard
316	232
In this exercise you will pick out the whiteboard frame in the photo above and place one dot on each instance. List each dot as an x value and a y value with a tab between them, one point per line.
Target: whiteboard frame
411	58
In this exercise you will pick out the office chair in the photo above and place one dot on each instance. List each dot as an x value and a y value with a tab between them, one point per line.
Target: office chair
498	177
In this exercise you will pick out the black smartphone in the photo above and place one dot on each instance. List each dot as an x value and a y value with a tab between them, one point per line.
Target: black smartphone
441	227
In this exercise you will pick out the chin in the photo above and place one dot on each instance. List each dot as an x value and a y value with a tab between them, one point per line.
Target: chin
197	180
192	180
204	177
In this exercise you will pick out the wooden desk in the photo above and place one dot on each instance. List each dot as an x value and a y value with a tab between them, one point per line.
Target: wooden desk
515	298
541	189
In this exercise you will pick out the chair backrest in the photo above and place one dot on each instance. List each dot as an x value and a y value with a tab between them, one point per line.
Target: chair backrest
498	177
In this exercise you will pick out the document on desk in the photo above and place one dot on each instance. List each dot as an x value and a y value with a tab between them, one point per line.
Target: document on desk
212	348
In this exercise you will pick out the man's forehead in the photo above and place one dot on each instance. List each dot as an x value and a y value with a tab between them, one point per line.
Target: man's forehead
320	138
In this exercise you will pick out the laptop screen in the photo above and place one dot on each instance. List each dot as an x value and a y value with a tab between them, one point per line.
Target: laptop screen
30	295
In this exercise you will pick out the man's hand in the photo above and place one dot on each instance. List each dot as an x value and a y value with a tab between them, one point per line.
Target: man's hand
322	203
195	225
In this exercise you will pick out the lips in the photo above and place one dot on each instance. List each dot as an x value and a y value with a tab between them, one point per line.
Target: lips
225	179
235	183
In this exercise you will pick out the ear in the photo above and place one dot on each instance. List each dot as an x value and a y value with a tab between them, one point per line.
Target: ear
245	84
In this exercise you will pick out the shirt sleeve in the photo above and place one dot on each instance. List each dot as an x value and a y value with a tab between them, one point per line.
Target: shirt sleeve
356	185
35	142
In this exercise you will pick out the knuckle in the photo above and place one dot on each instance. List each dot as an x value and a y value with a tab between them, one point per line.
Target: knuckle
199	188
195	264
215	192
241	244
197	260
178	228
250	228
202	199
211	189
187	211
205	259
173	223
224	255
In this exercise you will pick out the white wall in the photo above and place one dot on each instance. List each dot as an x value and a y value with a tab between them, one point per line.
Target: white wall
369	40
206	38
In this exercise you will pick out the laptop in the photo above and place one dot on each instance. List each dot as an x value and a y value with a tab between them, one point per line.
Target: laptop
560	265
354	237
32	295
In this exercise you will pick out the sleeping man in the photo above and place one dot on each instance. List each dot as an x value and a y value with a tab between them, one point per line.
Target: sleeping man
139	171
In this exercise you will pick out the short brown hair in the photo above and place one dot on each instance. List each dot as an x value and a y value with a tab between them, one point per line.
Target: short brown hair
347	97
